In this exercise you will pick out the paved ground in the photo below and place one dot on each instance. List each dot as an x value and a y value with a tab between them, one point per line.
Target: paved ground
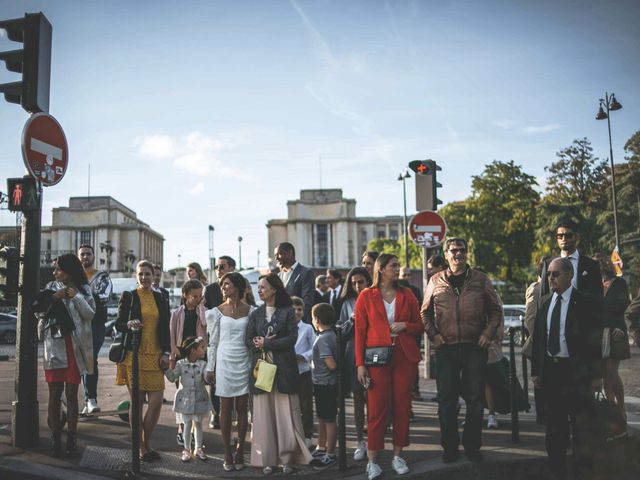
105	441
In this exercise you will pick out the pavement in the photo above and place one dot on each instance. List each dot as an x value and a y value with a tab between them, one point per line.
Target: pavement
104	443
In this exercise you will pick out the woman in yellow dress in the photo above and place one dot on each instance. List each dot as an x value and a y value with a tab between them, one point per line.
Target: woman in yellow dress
146	310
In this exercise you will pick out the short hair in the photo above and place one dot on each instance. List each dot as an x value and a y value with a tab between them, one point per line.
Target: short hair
565	264
372	254
335	273
196	266
230	261
157	266
381	262
324	313
321	280
287	247
567	223
144	264
437	261
86	245
455	240
282	297
606	265
190	285
297	301
237	280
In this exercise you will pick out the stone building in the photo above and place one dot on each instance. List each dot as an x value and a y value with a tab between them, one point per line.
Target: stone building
324	228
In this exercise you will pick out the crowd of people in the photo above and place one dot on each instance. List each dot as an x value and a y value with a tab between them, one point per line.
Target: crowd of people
270	363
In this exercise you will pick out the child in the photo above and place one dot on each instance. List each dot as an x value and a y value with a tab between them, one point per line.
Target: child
325	385
192	403
304	350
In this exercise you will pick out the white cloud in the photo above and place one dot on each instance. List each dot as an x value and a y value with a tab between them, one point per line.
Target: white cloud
194	153
532	130
504	123
197	189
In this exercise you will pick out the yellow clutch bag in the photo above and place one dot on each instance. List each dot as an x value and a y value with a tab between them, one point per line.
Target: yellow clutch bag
264	373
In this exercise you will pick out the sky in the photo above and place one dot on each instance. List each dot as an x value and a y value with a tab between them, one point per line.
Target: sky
203	113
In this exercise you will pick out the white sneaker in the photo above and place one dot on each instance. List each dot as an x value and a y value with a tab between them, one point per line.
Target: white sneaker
492	421
373	470
85	410
92	406
400	465
361	451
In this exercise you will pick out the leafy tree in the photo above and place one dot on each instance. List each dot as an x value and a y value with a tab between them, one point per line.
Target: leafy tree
396	247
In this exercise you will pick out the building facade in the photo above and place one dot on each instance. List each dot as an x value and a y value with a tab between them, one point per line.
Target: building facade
324	228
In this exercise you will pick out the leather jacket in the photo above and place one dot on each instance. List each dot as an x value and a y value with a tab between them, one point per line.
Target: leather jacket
477	310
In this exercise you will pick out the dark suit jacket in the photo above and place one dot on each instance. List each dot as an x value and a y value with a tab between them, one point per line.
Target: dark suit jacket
589	279
129	309
320	297
302	284
616	301
583	332
212	295
282	347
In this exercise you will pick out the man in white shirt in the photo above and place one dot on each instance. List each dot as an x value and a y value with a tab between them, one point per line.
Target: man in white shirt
298	280
566	364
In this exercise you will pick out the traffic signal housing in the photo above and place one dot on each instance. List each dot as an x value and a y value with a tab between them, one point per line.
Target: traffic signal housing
426	184
9	266
33	61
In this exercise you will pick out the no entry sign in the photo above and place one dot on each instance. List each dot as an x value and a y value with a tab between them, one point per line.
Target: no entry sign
427	229
44	149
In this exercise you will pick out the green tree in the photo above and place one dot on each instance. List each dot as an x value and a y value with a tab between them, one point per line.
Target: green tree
396	247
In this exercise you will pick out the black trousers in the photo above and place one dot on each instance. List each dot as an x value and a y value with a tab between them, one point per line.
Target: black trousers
567	405
460	372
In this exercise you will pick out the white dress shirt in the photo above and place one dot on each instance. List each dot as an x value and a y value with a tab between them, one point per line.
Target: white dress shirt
304	345
574	257
335	293
285	276
564	307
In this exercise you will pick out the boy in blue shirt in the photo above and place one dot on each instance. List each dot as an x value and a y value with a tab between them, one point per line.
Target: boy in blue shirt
325	385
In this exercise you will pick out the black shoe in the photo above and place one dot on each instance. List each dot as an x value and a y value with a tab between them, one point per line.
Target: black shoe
322	463
216	422
56	444
450	456
473	455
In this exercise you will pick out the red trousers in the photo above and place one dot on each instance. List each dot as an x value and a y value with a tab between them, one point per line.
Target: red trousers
390	390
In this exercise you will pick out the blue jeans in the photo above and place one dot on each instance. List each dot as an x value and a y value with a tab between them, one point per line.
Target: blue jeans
91	381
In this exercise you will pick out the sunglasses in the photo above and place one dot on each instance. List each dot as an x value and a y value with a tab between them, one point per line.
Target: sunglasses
564	235
219	267
455	251
553	274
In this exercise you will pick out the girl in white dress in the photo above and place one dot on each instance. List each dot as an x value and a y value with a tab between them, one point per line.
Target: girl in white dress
229	363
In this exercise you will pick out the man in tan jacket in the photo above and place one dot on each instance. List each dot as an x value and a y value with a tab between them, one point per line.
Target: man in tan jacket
461	313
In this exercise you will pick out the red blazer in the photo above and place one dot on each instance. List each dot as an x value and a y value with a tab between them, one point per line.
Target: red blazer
372	326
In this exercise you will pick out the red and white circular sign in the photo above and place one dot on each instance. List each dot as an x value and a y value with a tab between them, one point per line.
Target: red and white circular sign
427	229
44	149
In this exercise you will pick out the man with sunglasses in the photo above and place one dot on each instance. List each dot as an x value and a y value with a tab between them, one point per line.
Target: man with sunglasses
566	365
586	272
461	313
212	293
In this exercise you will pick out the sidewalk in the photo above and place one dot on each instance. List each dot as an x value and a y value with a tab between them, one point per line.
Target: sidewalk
105	443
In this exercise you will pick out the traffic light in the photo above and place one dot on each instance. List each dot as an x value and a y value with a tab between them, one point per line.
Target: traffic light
33	61
426	184
22	194
9	264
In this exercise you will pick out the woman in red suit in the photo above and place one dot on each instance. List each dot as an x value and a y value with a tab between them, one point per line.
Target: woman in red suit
387	315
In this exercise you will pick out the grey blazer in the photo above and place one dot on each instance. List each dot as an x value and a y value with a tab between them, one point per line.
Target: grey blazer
282	347
302	284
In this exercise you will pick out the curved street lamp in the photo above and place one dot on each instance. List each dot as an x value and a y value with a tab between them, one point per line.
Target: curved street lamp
609	103
402	176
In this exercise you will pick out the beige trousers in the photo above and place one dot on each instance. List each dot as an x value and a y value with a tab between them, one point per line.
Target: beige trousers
277	436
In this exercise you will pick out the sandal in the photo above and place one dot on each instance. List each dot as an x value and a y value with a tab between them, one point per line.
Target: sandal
186	456
228	467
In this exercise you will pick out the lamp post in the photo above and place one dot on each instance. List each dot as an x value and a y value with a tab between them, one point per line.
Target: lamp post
211	257
402	176
611	104
240	252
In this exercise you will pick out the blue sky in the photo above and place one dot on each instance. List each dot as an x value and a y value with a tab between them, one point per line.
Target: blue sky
217	112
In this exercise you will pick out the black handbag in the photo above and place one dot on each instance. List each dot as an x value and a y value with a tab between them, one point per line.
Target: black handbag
117	350
377	356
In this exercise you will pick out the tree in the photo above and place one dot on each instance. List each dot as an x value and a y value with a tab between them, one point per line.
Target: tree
396	247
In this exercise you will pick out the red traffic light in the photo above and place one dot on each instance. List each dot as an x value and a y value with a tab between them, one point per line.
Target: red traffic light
423	167
23	194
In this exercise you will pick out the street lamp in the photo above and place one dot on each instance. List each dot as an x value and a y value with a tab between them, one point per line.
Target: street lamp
240	252
402	176
211	257
610	104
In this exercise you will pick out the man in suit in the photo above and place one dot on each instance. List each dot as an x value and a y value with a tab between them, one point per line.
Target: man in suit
297	279
566	364
334	281
212	293
586	272
321	293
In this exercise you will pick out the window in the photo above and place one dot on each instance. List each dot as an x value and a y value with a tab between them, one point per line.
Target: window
321	245
393	234
85	237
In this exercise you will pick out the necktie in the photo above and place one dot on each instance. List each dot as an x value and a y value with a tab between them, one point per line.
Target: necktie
333	296
553	344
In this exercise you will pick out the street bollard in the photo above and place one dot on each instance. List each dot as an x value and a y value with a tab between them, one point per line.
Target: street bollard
513	388
135	403
342	435
525	373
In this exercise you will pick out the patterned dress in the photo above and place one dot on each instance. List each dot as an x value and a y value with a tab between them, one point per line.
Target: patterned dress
150	375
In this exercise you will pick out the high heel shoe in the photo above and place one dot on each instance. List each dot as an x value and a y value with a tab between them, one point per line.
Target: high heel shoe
72	443
56	444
